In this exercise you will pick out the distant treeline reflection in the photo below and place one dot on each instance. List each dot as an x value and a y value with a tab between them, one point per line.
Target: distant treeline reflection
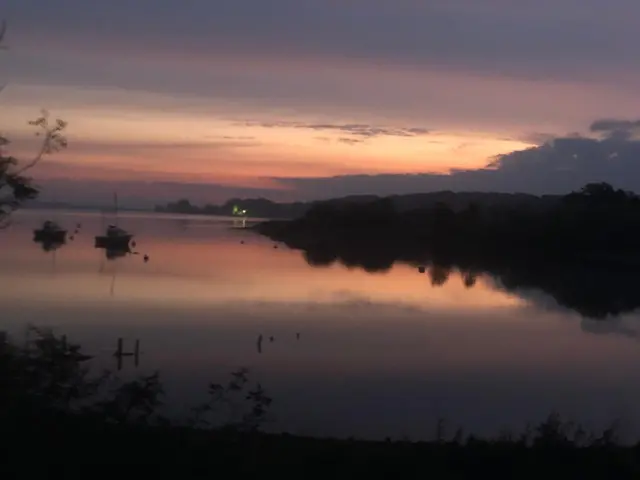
583	251
591	292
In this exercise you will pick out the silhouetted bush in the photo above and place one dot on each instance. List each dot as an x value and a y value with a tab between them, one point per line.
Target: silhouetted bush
50	376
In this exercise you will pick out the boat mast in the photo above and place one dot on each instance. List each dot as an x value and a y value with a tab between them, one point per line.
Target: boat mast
115	201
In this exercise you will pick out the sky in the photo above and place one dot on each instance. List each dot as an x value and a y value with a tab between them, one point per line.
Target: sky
298	100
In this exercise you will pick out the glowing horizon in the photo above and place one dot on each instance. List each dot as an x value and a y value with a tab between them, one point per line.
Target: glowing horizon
110	140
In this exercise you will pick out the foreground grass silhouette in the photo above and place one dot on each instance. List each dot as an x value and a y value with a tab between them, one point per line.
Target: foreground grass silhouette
55	412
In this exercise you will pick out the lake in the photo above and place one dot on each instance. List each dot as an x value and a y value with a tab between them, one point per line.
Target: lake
379	355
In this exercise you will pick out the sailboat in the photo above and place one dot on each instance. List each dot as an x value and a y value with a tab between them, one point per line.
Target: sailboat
115	238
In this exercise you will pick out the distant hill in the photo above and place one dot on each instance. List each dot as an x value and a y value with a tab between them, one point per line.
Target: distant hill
255	207
38	205
264	208
462	200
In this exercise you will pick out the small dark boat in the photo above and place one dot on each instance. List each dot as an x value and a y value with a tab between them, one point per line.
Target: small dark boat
50	232
115	238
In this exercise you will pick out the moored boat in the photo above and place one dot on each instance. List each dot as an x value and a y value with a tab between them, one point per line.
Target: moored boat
50	232
115	238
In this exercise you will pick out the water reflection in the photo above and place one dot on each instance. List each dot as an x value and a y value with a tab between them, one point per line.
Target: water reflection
353	353
593	293
115	253
49	245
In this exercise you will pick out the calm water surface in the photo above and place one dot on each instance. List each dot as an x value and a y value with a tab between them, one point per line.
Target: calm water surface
379	355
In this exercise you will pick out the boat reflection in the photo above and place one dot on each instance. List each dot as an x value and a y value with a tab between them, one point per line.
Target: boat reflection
49	244
114	253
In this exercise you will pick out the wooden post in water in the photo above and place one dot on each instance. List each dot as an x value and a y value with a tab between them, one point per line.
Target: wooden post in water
115	201
136	353
118	353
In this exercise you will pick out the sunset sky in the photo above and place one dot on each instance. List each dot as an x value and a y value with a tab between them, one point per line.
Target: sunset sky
301	99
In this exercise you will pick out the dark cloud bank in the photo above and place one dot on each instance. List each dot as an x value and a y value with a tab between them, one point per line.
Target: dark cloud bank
558	165
510	37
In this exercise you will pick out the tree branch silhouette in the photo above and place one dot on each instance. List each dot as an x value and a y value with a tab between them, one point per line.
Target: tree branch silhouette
15	186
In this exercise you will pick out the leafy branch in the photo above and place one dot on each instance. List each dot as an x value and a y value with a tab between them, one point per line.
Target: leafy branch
15	186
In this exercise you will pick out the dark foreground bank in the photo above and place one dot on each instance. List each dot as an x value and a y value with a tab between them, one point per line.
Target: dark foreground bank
73	444
60	419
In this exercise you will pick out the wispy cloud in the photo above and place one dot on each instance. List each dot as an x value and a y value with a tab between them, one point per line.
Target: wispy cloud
355	129
235	138
349	141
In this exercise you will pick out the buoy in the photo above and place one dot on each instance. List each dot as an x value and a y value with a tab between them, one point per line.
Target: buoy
271	339
275	246
146	258
242	242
